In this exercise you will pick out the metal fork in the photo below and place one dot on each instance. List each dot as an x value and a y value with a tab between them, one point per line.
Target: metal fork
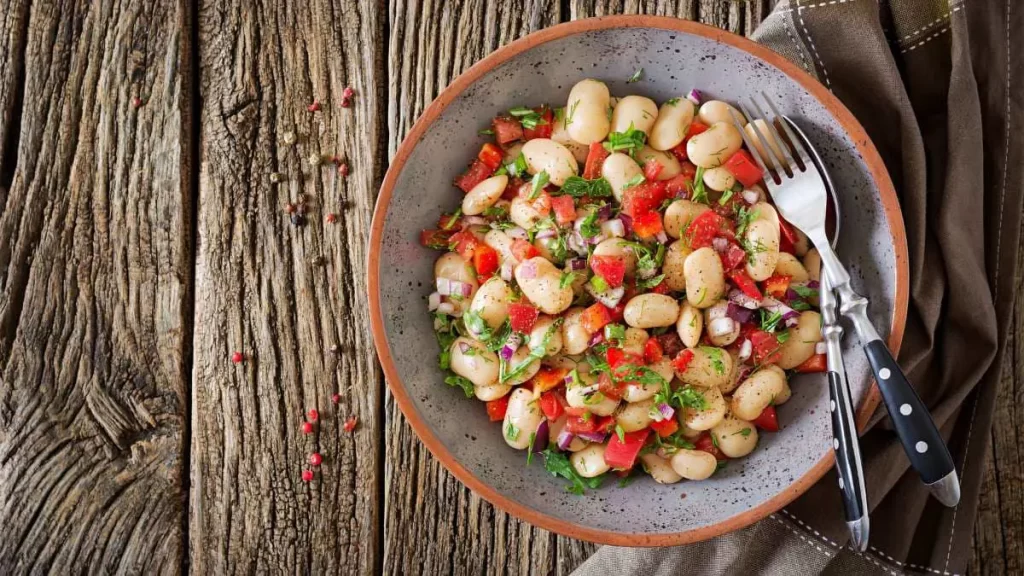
800	196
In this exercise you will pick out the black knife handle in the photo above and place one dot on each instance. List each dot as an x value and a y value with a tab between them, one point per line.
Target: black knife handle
844	438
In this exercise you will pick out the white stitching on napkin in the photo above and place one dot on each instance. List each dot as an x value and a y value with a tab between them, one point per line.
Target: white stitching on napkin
806	527
802	537
926	40
799	48
818	5
932	23
814	49
1006	154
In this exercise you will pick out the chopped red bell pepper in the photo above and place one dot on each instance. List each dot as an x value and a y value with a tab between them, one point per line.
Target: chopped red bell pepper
595	159
611	269
768	420
595	317
648	225
643	198
548	378
565	211
475	174
581	423
622	453
544	127
682	360
496	409
696	127
522	317
777	285
666	427
437	239
680	151
744	168
611	388
652	168
746	284
523	250
507	130
706	228
765	347
551	405
816	363
485	260
660	288
618	310
617	357
787	237
652	351
490	155
733	257
706	444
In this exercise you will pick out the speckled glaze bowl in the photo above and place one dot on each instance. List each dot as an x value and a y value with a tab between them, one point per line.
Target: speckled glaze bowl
676	55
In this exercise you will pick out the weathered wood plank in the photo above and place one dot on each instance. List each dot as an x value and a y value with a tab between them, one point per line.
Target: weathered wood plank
94	286
261	290
433	524
741	17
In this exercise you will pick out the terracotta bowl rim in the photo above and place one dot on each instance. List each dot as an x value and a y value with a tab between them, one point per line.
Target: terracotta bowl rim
845	118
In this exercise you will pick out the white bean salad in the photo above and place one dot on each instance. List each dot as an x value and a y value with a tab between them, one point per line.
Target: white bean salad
618	290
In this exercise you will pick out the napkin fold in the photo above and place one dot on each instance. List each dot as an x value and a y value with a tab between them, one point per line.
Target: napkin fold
939	87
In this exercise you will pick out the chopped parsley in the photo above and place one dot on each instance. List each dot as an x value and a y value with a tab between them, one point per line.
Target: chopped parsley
646	258
672	101
630	141
496	212
589	228
511	432
477	325
504	374
540	180
745	432
517	167
614	332
804	291
620	433
769	321
650	282
715	354
744	218
683	397
752	249
636	76
572	113
669	445
782	337
486	132
453	219
567	279
445	337
558	465
634	181
700	193
577	187
460	382
528	117
529	449
725	197
599	284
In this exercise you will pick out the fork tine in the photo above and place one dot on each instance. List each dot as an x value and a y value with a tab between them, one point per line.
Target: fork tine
738	123
778	165
770	127
801	152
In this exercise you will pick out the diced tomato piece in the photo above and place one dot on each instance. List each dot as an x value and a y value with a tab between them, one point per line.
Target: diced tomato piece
551	405
485	260
816	363
706	444
622	453
787	237
475	174
523	250
490	155
448	222
768	420
744	168
652	168
565	211
648	225
522	316
682	360
604	424
611	269
745	283
653	351
507	130
544	127
666	427
670	343
661	288
680	151
688	169
765	347
574	411
618	310
696	127
610	388
465	244
586	422
596	317
436	239
777	285
731	206
733	257
643	198
678	186
595	159
706	228
496	408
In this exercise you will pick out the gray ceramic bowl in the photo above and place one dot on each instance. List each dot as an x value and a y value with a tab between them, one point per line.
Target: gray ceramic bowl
676	56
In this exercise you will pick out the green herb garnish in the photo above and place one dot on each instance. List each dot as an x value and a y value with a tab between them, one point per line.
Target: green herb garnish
528	117
700	194
634	181
558	465
636	76
577	187
460	382
744	217
725	197
517	167
715	354
589	228
540	180
620	433
486	132
630	141
504	375
511	432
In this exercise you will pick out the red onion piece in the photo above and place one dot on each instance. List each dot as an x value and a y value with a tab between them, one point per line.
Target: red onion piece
593	436
465	289
547	233
664	412
721	245
578	264
565	438
464	347
743	371
740	299
604	212
739	313
528	270
506	270
746	349
788	314
444	286
662	237
627	224
613	228
694	96
510	347
596	339
540	438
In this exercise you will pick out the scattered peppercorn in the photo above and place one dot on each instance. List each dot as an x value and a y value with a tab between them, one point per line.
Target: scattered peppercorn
276	177
289	208
335	398
315	106
237	357
289	138
350	424
315	159
332	218
313	415
307	428
343	169
298	219
307	475
315	459
137	102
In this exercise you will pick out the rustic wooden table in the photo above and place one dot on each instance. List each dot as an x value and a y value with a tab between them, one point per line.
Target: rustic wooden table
142	242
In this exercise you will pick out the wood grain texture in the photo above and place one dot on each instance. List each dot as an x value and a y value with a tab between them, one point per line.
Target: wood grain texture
433	524
94	280
740	17
260	291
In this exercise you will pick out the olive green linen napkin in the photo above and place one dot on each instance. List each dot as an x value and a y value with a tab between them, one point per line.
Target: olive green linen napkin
940	89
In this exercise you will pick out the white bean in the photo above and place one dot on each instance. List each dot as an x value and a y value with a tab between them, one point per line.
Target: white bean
616	247
512	152
663	368
757	392
586	112
719	179
637	112
522	417
523	214
634	341
674	264
560	134
717	111
694	464
672	124
540	329
619	170
705	278
541	285
812	263
680	214
491	304
711	415
596	402
635	416
772	142
690	325
803	337
788	265
453	267
714	146
501	243
785	395
577	443
670	167
765	211
710	367
589	462
519	358
762	238
474	362
484	195
659	469
735	438
651	310
490	392
575	338
544	154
